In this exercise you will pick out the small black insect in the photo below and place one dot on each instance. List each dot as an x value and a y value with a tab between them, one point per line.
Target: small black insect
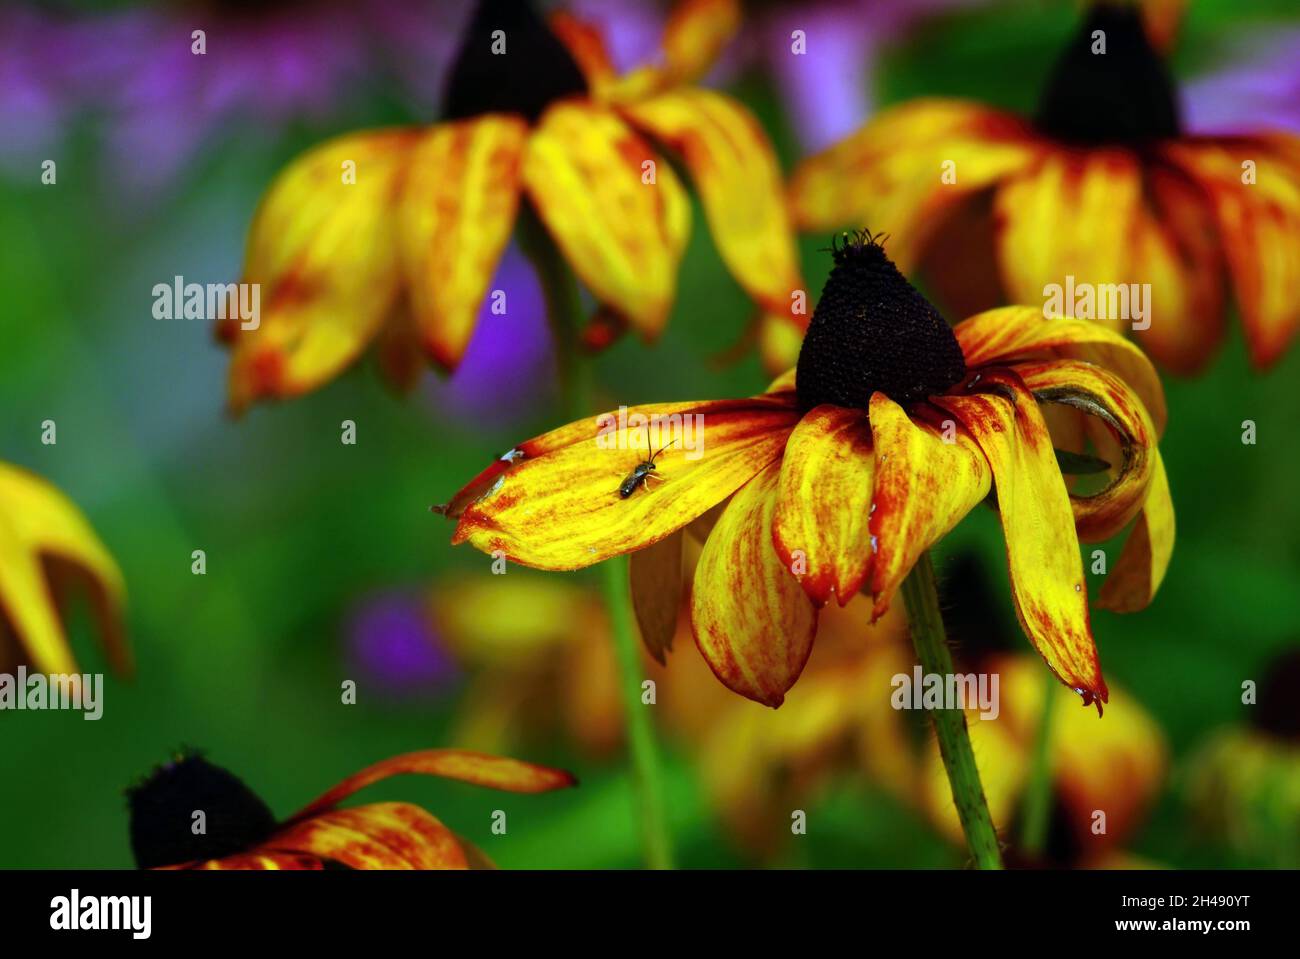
642	472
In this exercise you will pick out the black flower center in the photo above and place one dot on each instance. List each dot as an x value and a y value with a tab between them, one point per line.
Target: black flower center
166	829
1124	95
873	331
509	62
1277	710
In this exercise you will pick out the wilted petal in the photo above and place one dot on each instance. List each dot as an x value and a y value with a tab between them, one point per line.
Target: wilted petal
751	619
323	251
624	237
892	175
1009	333
1137	574
297	862
494	772
378	836
41	531
928	476
1100	393
563	510
656	577
1047	581
739	182
1259	226
695	33
585	44
823	502
457	210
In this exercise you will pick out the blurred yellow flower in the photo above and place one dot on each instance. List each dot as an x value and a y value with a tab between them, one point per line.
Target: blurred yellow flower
47	547
394	235
1102	198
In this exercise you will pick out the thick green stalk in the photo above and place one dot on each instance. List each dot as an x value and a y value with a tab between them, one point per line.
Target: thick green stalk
564	311
926	626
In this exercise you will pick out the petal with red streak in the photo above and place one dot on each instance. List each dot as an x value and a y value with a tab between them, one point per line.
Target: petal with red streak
457	211
752	621
929	474
623	236
735	171
1047	581
563	509
323	253
823	499
377	836
1137	574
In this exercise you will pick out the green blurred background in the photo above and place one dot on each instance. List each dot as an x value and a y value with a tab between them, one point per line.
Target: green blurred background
301	531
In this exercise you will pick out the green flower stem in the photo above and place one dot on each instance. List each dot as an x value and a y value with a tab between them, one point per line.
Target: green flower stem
1038	794
564	310
646	774
926	626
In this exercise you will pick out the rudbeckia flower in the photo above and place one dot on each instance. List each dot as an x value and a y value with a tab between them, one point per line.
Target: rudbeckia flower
1101	189
890	429
242	833
46	548
393	235
1243	785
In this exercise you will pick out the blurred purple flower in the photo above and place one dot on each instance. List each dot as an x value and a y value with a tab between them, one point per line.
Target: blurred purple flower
265	65
509	366
392	643
1260	89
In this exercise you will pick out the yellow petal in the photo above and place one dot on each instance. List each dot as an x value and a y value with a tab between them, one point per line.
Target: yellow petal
1018	332
1137	574
290	861
1100	393
695	34
823	499
1047	581
929	474
563	510
378	836
751	619
656	577
324	253
494	772
458	207
894	176
1107	223
1259	226
41	532
587	47
585	171
735	171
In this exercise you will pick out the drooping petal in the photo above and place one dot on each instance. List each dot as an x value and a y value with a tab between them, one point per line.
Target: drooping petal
735	171
1010	333
1137	574
823	499
1118	241
695	34
42	532
322	251
1099	393
377	836
457	210
621	231
563	509
656	577
908	166
928	476
752	621
1254	189
1047	581
494	772
296	862
585	44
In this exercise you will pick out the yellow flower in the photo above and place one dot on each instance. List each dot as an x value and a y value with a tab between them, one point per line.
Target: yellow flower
242	833
394	235
1244	783
891	428
1100	190
46	546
